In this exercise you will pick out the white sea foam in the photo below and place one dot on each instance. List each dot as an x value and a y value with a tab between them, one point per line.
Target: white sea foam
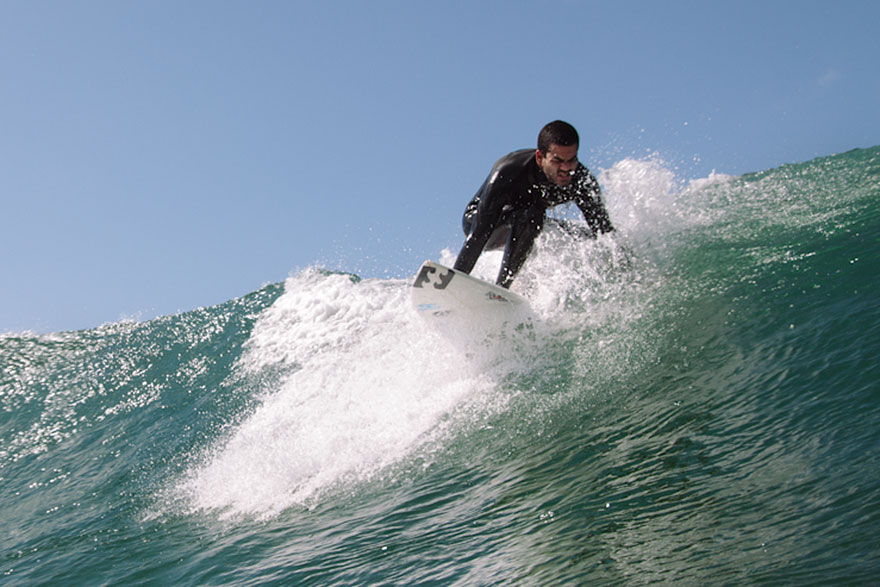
371	384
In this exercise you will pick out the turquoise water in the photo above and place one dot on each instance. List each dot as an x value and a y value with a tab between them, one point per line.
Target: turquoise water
698	402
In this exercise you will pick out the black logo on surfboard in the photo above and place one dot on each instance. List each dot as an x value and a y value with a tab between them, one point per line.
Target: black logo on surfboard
429	274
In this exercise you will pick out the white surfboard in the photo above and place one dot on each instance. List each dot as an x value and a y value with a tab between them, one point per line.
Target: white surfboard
440	291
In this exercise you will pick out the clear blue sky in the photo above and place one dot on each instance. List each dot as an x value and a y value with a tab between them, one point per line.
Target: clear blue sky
161	155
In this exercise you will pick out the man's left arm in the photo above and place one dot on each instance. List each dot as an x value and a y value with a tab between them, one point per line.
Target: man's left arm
589	200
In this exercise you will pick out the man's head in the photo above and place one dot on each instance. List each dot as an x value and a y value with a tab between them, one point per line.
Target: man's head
557	152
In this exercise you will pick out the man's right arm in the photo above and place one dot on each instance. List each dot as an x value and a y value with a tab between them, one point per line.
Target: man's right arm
491	200
482	227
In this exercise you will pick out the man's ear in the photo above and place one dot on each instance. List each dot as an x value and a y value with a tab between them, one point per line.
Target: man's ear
538	156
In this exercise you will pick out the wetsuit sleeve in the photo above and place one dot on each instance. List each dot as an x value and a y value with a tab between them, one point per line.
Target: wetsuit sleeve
589	201
490	201
480	229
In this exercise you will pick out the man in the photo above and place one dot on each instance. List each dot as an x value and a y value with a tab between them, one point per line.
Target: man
510	207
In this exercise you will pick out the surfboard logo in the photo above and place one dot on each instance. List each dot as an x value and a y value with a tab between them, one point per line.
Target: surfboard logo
441	280
433	309
496	297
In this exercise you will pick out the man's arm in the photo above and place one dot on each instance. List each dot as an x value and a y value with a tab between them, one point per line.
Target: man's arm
491	200
589	201
473	246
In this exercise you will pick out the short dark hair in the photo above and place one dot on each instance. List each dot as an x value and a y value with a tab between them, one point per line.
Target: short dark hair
557	133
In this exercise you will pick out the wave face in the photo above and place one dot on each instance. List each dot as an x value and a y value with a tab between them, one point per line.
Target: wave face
698	400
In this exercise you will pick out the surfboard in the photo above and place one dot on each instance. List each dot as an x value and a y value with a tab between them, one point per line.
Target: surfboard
440	291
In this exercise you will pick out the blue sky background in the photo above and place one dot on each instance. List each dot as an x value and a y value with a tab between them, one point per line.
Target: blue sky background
157	156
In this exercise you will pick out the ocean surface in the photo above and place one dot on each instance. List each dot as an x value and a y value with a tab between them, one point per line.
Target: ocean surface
697	401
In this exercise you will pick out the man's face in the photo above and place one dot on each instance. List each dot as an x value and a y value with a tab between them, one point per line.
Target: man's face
558	163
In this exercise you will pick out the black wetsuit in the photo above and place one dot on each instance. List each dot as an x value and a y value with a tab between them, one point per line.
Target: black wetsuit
510	207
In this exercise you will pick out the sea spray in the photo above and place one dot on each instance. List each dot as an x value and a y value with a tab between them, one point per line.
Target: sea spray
369	383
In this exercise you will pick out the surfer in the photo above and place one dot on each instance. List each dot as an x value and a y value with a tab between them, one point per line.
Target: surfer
510	207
